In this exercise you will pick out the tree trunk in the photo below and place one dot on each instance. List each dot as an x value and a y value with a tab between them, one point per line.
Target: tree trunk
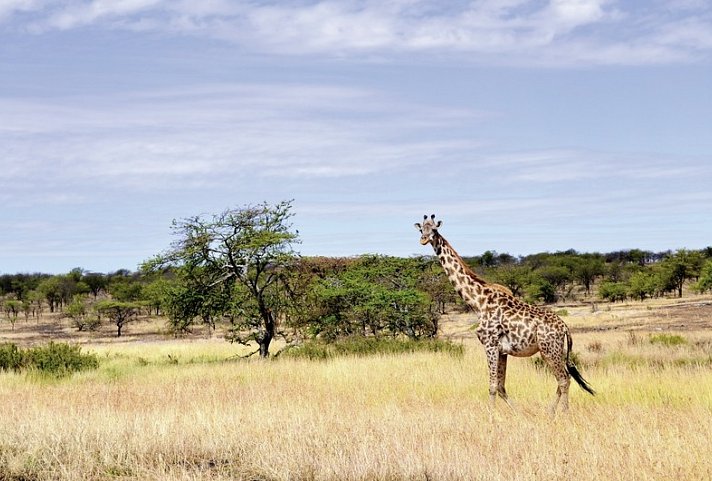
266	339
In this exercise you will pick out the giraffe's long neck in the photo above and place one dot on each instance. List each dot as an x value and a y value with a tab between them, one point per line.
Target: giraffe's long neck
467	284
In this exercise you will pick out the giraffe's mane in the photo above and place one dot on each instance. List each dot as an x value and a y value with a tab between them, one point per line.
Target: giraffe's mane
468	270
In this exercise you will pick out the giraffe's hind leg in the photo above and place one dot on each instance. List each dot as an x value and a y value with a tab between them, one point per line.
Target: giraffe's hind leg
501	377
553	354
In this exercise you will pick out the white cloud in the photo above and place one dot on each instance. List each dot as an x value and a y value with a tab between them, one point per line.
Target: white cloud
9	8
558	32
76	14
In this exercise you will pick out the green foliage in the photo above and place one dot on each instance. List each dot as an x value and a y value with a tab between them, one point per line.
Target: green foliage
120	313
516	277
10	357
20	284
55	359
643	284
704	283
374	295
587	268
370	346
667	339
540	291
679	267
236	262
125	289
12	308
82	318
96	283
613	291
59	290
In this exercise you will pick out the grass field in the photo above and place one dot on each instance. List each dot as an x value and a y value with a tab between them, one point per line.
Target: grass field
171	409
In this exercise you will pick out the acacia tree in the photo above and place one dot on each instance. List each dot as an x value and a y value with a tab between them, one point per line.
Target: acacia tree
119	312
679	267
238	257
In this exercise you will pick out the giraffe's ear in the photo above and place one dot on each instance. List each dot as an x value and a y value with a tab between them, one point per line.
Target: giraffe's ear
439	224
418	226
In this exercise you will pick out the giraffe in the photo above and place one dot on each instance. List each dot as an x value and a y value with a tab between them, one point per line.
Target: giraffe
508	326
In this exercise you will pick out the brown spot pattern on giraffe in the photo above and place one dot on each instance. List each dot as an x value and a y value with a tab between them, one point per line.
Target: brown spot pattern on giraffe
508	325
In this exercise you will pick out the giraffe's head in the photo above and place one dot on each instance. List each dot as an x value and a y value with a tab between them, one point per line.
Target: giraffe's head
428	229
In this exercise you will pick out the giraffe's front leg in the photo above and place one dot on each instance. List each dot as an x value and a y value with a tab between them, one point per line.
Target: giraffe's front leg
493	356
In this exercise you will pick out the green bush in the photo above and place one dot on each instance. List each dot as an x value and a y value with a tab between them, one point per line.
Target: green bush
613	291
369	346
56	359
668	339
10	357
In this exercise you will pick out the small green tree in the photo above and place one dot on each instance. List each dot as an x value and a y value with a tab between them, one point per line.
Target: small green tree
82	317
704	283
587	268
540	290
51	290
613	291
155	294
642	284
120	313
96	282
12	308
679	267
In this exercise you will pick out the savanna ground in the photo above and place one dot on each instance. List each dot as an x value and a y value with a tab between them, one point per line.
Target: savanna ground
160	408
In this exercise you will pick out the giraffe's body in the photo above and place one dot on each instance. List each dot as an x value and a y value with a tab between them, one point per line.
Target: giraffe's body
508	326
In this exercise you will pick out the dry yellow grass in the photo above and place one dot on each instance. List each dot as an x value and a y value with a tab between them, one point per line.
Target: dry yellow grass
171	409
419	416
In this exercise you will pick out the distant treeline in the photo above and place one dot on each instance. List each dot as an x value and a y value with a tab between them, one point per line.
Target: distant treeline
538	278
571	276
238	269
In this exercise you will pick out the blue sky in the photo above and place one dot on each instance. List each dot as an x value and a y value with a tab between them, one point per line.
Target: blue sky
526	126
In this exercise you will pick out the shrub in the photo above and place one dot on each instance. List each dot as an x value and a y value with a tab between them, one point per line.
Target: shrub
613	291
668	339
10	357
369	346
56	359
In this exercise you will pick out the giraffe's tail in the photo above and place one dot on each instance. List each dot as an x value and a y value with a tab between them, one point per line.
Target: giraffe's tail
573	371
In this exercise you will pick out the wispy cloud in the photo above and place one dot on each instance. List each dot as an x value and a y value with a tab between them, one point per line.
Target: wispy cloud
226	134
522	32
220	134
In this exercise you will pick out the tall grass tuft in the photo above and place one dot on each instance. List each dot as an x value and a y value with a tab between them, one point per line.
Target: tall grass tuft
668	339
